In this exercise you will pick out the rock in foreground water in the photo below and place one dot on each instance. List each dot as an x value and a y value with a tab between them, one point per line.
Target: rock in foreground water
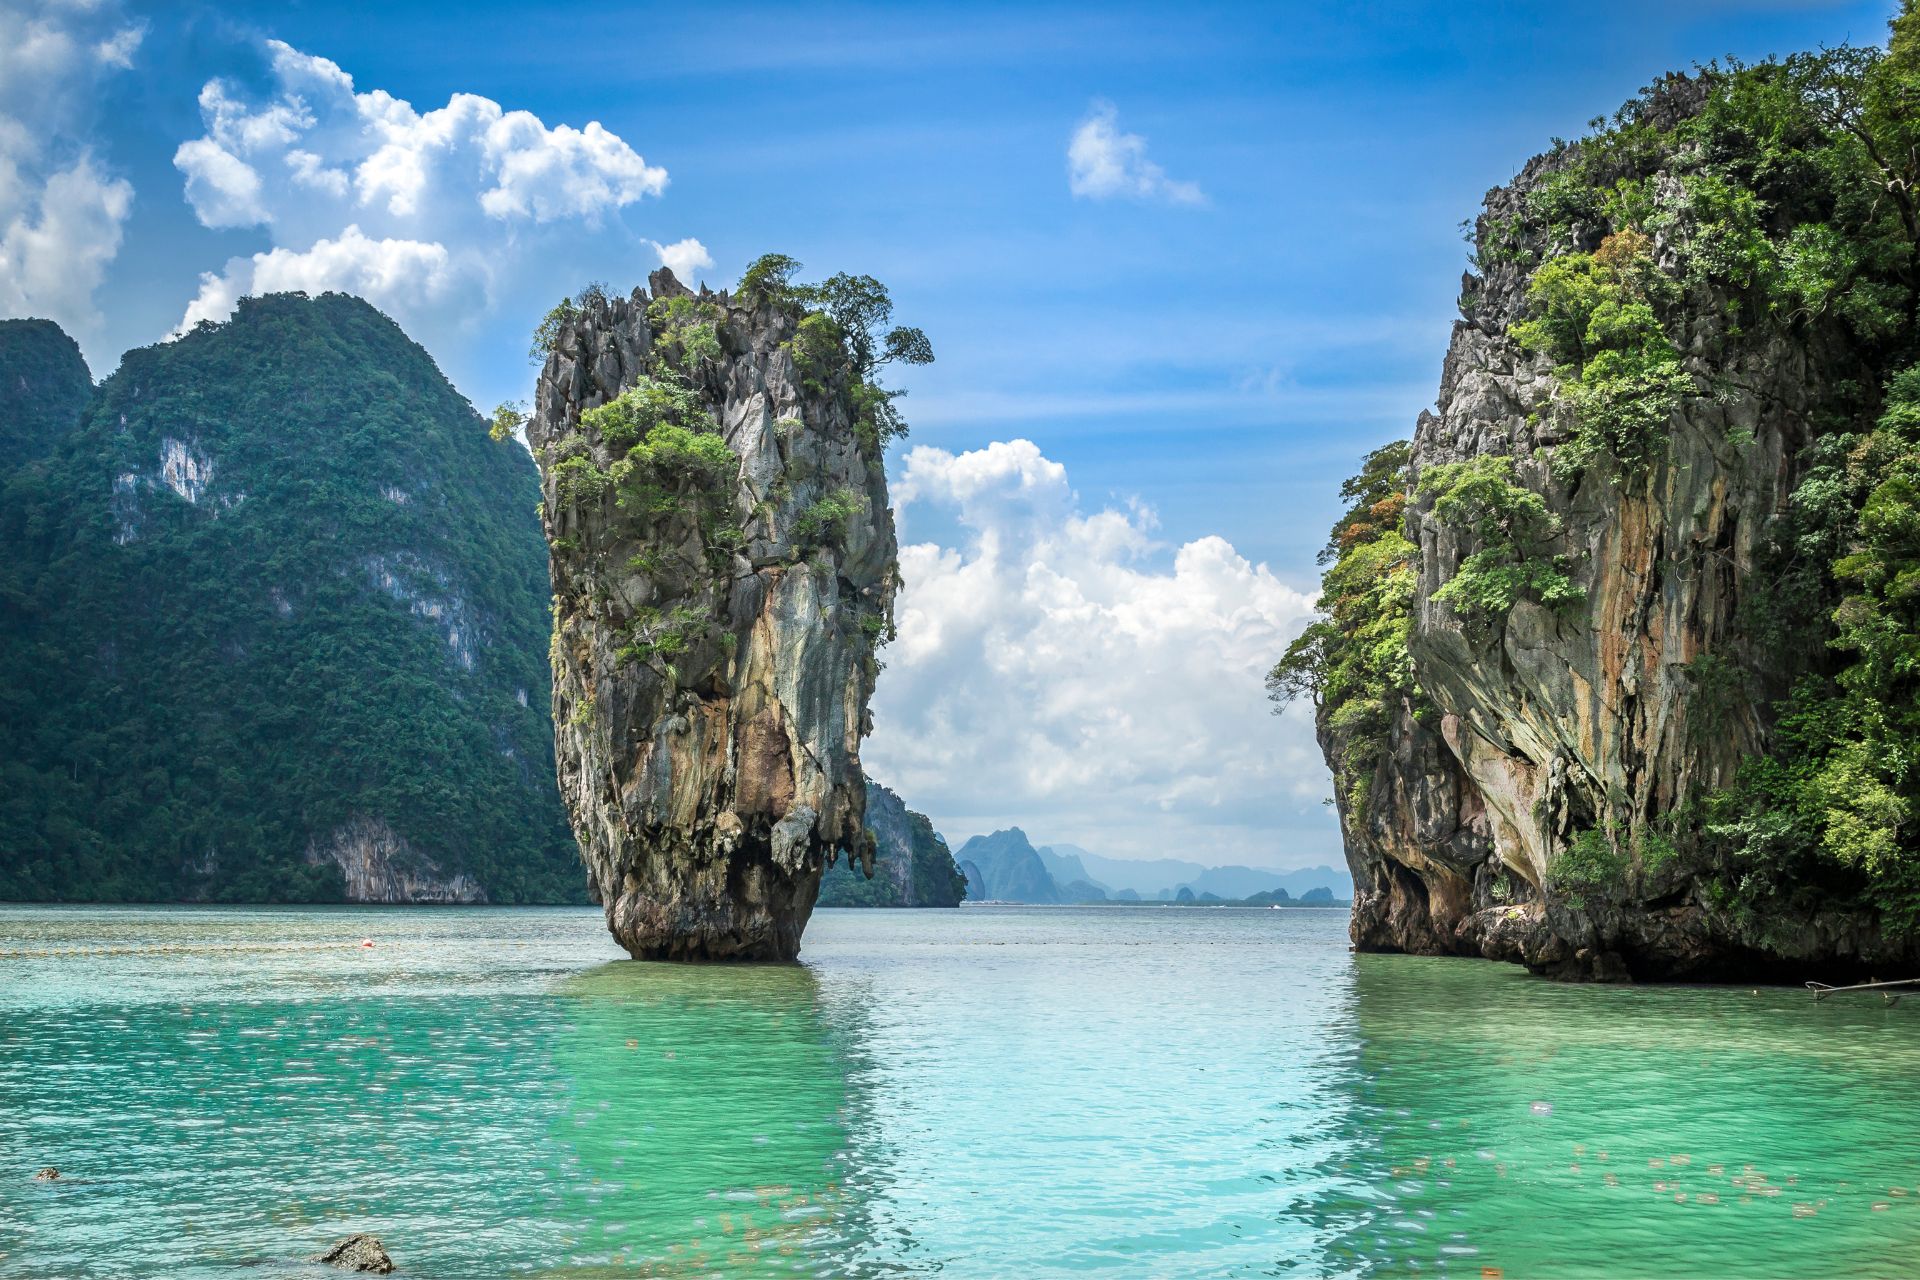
362	1253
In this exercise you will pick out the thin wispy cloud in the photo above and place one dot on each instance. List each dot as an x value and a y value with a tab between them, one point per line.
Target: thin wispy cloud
1104	163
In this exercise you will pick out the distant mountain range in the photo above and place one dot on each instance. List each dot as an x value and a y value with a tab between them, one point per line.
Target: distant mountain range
1007	867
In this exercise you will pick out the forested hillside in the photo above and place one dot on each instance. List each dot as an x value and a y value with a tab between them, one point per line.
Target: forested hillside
275	625
44	387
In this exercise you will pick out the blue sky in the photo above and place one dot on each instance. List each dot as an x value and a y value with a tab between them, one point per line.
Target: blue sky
1199	366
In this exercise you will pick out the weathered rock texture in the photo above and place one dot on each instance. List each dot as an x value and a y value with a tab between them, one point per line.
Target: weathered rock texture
377	864
1564	721
912	866
362	1253
710	785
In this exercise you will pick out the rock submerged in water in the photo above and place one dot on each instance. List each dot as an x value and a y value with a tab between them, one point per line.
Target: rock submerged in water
361	1253
716	611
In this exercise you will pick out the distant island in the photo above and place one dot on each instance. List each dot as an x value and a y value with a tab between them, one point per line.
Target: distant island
1006	867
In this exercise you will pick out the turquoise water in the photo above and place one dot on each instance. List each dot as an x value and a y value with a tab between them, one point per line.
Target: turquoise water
1017	1092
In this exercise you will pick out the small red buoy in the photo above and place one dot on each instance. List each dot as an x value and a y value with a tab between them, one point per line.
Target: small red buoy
366	942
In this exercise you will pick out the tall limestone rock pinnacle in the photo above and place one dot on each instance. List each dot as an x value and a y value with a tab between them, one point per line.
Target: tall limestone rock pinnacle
723	564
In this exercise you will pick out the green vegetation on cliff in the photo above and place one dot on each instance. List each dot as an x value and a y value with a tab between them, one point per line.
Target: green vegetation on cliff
1844	787
1594	315
44	385
282	597
1790	203
1511	529
1724	236
845	321
1353	662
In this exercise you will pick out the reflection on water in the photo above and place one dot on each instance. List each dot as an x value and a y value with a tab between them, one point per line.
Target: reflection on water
1545	1130
981	1093
705	1131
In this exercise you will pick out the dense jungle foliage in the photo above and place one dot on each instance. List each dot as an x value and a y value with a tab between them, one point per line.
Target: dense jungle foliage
1785	202
44	384
277	578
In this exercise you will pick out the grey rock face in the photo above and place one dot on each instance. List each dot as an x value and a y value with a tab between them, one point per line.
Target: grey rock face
378	865
362	1253
912	866
887	818
1559	722
709	780
976	881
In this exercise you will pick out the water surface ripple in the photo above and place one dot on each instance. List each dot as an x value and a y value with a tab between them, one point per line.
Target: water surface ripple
1017	1092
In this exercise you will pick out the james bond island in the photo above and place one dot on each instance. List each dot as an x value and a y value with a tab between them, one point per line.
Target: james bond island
674	825
723	571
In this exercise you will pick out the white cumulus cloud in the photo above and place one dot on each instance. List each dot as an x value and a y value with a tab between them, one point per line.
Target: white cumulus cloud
1103	162
398	276
685	258
62	211
425	213
1058	669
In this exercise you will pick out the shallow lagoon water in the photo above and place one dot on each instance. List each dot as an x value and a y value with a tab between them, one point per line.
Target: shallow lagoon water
989	1092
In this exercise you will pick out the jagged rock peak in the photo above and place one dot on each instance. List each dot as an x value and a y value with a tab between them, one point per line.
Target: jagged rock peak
723	564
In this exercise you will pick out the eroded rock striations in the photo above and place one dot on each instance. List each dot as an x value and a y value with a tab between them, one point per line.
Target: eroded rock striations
1593	637
912	866
723	565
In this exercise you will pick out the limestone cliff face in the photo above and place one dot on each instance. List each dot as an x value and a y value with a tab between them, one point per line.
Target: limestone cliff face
377	864
1624	709
912	866
1419	846
712	649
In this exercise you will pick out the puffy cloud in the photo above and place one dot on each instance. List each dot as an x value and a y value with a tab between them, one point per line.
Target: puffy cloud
223	189
61	212
685	258
1059	669
369	153
398	276
1103	162
415	210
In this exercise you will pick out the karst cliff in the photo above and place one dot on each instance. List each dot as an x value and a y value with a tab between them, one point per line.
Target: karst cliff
912	866
723	565
273	606
1616	669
